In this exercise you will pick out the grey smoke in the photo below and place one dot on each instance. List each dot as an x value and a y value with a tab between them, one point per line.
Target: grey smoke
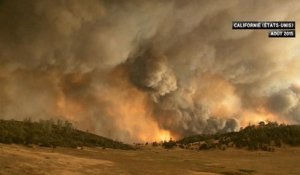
177	61
284	101
150	71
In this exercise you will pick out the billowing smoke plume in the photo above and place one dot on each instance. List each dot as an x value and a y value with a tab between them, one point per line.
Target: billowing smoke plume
147	70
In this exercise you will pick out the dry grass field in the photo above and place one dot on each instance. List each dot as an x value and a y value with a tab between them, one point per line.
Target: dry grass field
20	160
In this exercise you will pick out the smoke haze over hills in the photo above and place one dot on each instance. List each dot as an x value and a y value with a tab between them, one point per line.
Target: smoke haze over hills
147	70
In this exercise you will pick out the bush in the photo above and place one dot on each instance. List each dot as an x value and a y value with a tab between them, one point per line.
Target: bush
168	145
155	144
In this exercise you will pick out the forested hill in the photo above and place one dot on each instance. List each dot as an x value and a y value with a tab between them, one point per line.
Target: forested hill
264	136
50	133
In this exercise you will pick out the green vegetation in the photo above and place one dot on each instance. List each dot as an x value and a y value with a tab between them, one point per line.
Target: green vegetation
50	133
168	145
264	136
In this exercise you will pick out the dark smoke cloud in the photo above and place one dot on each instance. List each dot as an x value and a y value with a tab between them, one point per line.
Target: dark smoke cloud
150	71
133	70
284	101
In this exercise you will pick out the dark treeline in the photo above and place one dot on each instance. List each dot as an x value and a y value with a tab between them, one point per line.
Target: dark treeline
51	133
264	136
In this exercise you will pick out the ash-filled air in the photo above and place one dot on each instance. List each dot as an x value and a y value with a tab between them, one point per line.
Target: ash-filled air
148	70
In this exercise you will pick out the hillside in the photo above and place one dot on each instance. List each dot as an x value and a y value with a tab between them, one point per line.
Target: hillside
50	133
264	136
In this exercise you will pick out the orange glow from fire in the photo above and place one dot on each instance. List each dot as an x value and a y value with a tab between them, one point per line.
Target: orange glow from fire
131	110
258	115
134	115
68	109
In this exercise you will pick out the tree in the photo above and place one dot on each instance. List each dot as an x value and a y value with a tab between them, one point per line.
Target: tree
170	144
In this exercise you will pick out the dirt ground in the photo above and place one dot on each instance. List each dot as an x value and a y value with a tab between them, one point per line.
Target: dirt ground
20	160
